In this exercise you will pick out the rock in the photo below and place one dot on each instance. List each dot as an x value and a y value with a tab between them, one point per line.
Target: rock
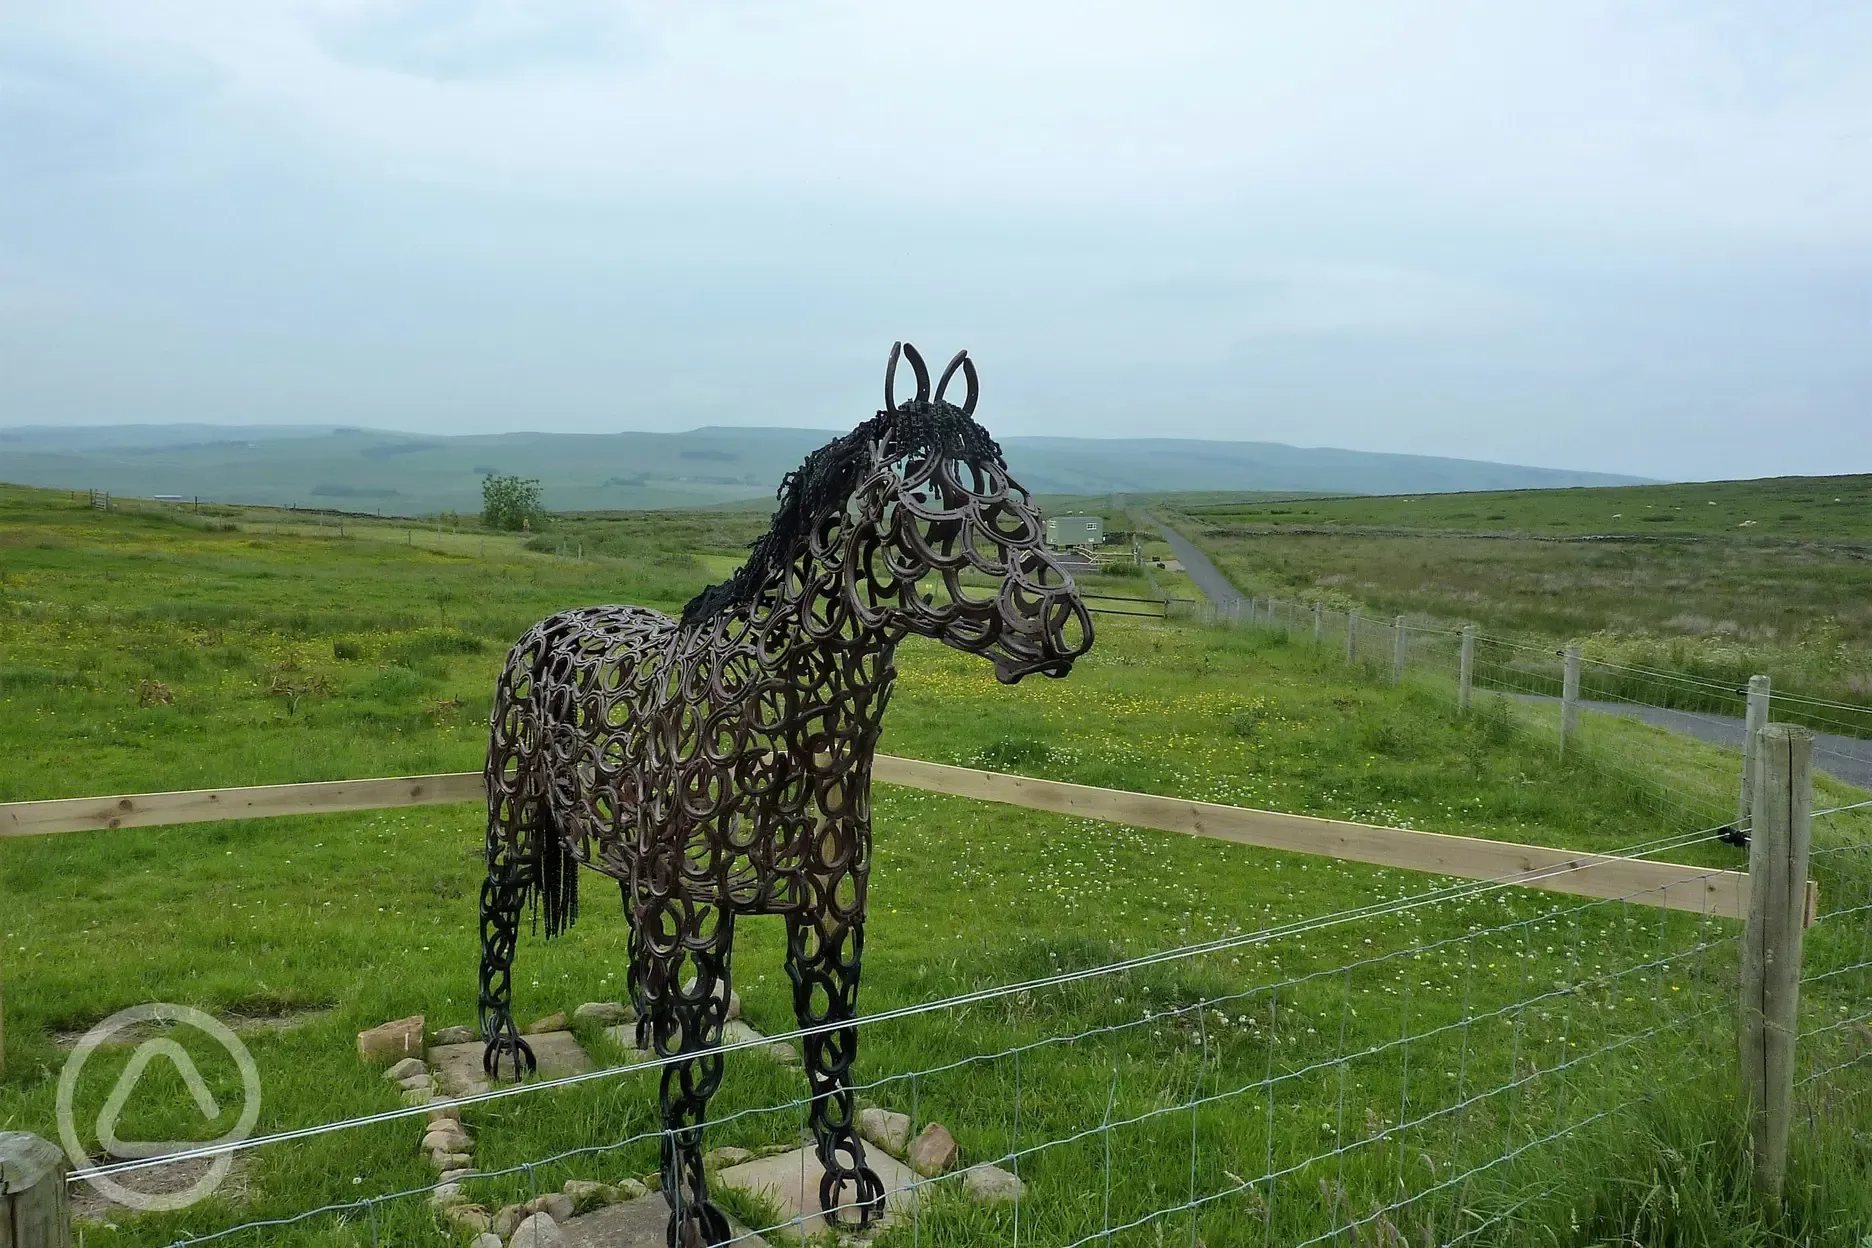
417	1099
785	1054
624	1035
734	998
447	1138
606	1012
451	1161
456	1176
456	1035
991	1185
555	1205
727	1155
653	1182
556	1021
629	1189
508	1218
789	1184
447	1194
738	1032
586	1194
392	1041
933	1152
889	1131
471	1218
538	1231
406	1068
418	1083
486	1239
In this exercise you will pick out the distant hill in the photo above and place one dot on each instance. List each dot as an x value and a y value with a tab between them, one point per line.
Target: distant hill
412	474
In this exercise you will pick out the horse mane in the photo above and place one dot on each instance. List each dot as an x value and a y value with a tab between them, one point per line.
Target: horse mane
829	476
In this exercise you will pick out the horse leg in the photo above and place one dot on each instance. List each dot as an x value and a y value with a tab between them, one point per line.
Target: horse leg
670	940
503	895
823	953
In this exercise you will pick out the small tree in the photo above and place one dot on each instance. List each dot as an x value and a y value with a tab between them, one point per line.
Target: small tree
509	502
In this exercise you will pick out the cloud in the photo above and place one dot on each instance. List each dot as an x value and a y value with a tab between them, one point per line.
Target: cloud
1593	235
70	104
468	40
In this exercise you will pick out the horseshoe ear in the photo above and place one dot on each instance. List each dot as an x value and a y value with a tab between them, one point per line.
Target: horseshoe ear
908	352
968	374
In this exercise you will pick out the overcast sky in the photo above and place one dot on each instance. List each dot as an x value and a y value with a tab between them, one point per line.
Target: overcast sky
1631	237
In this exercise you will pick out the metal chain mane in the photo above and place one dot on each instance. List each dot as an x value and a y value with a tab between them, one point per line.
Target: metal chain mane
827	479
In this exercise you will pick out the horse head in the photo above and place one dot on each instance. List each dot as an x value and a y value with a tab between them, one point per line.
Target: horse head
945	544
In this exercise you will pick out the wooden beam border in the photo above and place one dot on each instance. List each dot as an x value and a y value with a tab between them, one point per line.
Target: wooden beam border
1671	886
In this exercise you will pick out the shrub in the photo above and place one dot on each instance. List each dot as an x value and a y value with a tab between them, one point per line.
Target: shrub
510	502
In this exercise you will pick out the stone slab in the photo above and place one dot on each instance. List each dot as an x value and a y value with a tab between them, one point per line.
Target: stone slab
458	1066
640	1223
790	1182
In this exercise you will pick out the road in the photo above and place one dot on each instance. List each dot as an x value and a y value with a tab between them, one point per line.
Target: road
1196	565
1844	758
1848	759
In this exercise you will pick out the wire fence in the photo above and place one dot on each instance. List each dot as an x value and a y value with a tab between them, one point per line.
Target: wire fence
1398	1072
1611	720
1836	971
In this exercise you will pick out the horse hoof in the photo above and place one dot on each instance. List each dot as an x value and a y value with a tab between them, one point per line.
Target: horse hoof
698	1226
868	1199
510	1045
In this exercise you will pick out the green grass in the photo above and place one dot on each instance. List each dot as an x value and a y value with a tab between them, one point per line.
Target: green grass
336	923
1825	509
1698	595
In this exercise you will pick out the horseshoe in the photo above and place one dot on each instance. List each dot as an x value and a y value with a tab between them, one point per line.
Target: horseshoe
968	374
908	352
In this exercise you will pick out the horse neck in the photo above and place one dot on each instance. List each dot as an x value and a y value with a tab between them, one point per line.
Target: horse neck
850	672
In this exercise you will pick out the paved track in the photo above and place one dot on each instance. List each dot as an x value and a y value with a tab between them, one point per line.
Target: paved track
1844	758
1207	576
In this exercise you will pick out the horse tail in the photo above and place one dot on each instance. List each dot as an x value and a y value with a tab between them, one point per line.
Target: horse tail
523	837
556	876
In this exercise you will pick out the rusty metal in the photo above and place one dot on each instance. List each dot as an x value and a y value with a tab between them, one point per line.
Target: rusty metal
719	764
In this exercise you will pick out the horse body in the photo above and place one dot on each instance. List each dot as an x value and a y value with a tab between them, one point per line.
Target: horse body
719	765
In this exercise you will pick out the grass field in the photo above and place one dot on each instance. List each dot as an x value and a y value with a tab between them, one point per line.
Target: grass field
1823	509
164	651
1718	581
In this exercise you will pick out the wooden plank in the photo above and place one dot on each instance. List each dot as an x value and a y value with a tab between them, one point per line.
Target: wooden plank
142	810
1695	889
1670	885
1779	844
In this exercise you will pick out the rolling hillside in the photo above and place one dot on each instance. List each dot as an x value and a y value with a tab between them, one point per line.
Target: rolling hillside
410	474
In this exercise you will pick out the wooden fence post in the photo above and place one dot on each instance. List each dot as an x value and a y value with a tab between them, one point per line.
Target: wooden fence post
1319	624
35	1209
1757	717
1465	672
1771	944
1351	635
1569	695
1399	636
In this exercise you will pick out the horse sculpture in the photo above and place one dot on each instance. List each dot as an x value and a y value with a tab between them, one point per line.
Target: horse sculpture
720	764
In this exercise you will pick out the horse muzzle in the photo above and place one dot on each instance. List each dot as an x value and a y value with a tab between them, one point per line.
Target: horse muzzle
1009	672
